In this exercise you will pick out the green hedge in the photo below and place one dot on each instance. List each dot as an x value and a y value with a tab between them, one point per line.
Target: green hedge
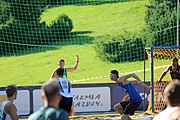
120	48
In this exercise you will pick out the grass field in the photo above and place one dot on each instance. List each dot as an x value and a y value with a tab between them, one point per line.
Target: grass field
35	68
102	19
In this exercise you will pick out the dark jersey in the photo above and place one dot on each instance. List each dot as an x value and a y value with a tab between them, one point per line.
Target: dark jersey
175	74
49	113
65	73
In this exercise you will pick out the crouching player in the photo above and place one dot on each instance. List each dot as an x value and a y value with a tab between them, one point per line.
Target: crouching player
127	108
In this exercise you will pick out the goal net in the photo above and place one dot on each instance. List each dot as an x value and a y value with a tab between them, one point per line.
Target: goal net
160	57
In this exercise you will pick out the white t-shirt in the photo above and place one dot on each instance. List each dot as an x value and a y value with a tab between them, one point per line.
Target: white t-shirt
164	115
3	114
65	86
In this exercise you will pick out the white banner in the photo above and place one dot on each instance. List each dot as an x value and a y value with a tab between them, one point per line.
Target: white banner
37	100
22	102
91	99
85	99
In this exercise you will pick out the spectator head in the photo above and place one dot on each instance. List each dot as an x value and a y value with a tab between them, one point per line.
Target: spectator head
51	91
171	93
11	91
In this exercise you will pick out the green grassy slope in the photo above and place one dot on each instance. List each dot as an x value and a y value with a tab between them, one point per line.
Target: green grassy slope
36	68
101	19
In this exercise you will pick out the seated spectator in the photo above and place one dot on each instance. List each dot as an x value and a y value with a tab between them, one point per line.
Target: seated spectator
172	99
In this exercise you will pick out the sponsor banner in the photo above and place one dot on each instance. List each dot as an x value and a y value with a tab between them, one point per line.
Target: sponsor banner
37	100
85	99
91	99
88	98
22	102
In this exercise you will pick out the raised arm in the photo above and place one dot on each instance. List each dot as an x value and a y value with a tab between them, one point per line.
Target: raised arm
164	73
122	78
136	82
75	66
136	77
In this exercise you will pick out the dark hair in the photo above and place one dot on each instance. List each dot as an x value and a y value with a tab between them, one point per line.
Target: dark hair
51	89
11	90
62	60
115	72
60	71
171	93
176	60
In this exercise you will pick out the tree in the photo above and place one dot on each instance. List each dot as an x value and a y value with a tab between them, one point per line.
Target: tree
161	26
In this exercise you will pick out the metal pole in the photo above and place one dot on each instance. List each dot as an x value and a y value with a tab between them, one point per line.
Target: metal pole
177	28
152	78
177	22
144	78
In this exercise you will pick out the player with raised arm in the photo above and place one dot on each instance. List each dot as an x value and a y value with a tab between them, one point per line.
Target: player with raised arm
174	70
61	64
127	108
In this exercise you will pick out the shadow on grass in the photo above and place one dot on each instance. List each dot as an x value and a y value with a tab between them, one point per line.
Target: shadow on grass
76	38
24	50
79	38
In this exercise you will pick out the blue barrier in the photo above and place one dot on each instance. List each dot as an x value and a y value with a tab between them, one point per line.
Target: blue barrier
88	98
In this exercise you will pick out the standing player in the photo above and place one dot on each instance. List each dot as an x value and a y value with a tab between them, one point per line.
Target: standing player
61	64
174	70
66	91
8	109
127	108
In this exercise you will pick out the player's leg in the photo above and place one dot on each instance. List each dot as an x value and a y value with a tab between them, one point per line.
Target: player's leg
72	110
66	104
119	107
125	117
130	108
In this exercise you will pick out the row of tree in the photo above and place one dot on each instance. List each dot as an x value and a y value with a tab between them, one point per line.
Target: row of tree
21	29
160	30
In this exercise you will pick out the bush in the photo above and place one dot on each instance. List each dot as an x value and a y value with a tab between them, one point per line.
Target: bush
25	31
62	27
120	48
